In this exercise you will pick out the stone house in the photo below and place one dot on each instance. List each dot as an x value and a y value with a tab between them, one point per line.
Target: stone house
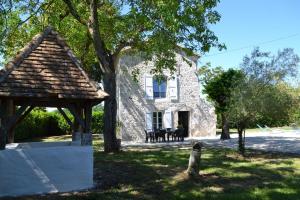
150	102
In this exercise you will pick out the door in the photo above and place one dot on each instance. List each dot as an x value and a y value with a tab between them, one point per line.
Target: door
183	120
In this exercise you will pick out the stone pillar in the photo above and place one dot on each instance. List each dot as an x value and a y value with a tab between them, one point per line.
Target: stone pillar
76	136
77	132
87	139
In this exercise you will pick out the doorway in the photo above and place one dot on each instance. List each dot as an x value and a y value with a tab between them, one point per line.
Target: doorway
183	119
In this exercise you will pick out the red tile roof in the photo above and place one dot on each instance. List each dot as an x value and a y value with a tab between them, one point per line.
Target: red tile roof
46	67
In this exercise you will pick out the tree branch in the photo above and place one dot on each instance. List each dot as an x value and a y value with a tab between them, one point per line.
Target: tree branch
62	16
122	45
87	44
34	13
101	51
74	12
7	30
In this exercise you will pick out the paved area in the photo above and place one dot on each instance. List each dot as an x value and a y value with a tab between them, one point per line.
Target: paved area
37	168
281	141
287	142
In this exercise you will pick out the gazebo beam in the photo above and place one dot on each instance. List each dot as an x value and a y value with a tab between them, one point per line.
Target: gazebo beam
76	115
25	114
16	117
62	112
87	118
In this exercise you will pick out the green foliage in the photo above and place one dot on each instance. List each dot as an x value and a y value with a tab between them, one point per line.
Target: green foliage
98	122
154	27
207	73
264	94
40	123
219	86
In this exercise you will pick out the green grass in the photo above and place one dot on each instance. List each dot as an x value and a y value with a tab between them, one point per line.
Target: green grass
159	173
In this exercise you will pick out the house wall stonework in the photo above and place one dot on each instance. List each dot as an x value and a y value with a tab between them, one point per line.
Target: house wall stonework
133	106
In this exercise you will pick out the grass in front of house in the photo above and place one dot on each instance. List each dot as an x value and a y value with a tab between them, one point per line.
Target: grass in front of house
159	173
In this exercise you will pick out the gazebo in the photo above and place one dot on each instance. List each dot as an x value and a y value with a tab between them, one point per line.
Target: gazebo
47	74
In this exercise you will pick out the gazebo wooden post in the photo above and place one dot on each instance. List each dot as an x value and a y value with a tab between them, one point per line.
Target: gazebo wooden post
11	110
87	134
3	130
78	129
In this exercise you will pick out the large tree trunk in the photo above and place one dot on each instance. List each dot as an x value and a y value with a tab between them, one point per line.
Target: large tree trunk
110	114
225	127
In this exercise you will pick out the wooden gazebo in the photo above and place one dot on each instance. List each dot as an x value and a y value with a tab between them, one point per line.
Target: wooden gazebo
47	74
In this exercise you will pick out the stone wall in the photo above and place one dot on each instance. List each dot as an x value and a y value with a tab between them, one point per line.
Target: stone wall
132	105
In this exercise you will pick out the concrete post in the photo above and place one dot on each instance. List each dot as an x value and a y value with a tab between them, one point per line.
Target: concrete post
87	139
77	132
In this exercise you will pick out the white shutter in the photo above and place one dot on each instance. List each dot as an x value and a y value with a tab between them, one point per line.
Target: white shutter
148	87
148	121
168	119
173	88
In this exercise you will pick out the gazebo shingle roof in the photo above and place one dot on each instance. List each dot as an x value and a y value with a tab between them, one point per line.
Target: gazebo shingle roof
45	68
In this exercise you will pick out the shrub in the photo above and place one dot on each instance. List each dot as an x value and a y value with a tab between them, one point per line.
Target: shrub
40	123
97	122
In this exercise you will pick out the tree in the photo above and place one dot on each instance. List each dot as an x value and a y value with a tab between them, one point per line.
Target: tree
101	29
261	92
218	85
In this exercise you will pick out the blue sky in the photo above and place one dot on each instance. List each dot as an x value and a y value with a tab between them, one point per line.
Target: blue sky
269	24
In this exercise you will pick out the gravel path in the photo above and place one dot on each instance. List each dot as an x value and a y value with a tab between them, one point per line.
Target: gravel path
280	141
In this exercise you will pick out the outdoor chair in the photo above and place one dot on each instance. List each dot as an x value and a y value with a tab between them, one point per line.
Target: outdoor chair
160	134
170	133
149	135
179	134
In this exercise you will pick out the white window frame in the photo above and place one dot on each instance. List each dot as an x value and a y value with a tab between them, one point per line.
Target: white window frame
156	123
166	92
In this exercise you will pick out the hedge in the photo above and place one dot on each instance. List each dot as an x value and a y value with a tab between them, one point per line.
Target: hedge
40	123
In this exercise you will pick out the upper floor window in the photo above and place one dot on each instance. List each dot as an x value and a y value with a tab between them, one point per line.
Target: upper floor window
159	88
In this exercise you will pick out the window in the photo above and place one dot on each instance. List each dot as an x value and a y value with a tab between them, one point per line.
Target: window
159	88
157	120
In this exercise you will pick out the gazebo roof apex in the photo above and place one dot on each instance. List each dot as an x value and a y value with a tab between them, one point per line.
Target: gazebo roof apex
45	67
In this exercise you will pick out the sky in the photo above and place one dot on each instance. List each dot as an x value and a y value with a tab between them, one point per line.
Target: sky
269	24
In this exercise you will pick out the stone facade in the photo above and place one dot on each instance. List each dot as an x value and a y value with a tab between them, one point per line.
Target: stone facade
133	106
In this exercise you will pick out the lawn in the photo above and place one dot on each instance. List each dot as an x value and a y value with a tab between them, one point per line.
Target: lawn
159	173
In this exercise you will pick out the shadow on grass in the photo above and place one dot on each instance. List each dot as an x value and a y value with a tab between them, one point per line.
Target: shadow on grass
225	175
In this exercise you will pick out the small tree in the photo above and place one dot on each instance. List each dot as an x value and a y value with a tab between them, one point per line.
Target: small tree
260	91
218	85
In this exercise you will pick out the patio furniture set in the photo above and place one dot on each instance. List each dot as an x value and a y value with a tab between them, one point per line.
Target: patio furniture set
160	135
